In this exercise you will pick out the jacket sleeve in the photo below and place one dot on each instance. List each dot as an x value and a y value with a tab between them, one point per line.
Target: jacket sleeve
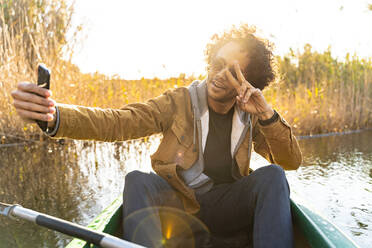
130	122
276	143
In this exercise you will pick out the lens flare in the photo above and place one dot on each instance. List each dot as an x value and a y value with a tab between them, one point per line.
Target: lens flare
167	227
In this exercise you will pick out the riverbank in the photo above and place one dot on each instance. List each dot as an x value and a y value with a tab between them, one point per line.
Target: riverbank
7	140
334	99
314	91
310	109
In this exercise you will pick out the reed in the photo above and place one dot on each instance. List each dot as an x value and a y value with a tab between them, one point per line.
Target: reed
31	32
315	92
318	93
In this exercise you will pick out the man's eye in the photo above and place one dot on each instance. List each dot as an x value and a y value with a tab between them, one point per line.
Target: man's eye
216	67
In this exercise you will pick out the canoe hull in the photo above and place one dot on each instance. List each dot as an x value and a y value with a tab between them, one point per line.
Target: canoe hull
310	229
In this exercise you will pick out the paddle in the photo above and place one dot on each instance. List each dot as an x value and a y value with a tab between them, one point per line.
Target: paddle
66	227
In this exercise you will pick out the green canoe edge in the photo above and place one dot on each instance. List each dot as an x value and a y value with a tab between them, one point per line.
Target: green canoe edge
107	222
318	231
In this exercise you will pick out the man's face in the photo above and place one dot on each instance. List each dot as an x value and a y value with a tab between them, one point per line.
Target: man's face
218	86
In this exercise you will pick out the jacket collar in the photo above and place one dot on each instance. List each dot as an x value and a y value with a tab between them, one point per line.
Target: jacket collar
241	119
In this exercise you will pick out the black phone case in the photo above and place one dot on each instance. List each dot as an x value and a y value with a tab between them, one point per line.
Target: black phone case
43	80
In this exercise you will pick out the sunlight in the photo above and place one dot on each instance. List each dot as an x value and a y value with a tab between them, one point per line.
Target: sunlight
166	38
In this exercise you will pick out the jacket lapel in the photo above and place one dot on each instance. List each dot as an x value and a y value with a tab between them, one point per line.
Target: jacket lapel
239	124
238	130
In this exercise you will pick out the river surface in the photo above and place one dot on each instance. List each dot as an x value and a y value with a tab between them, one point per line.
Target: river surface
76	180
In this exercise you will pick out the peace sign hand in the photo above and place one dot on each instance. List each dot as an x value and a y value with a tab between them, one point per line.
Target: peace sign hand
249	98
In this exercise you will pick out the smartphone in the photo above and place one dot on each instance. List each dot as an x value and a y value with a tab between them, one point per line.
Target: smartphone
43	80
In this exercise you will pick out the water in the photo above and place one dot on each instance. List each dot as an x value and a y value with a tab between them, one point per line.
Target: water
336	180
75	181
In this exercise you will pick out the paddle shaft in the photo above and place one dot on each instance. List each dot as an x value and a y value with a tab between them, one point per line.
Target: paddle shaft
66	227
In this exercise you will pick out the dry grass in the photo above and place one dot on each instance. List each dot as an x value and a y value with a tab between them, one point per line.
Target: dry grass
319	94
316	93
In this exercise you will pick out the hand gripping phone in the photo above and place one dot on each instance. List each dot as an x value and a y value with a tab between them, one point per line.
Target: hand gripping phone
43	80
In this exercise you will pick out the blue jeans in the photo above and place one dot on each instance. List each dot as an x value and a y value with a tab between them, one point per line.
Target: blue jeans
256	205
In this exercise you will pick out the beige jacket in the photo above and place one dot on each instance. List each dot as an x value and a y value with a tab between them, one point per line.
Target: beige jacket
172	115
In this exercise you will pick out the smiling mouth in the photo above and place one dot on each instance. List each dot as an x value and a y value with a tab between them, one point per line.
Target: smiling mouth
218	84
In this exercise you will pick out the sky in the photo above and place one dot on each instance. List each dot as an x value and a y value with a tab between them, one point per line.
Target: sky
164	38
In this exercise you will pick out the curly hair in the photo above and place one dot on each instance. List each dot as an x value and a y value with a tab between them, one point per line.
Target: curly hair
259	71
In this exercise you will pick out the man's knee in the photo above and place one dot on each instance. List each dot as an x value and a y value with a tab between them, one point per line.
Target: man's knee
135	177
274	177
272	171
142	182
136	182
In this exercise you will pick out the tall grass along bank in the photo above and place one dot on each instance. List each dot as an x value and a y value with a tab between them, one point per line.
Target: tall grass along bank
315	92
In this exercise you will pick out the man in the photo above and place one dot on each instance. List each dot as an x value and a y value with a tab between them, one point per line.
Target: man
202	163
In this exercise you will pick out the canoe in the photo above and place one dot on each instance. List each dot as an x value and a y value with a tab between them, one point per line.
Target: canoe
310	228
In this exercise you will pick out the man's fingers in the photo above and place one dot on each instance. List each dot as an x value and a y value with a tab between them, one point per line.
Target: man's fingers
33	107
32	103
238	72
256	92
233	81
243	90
247	95
25	114
32	98
240	75
30	87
